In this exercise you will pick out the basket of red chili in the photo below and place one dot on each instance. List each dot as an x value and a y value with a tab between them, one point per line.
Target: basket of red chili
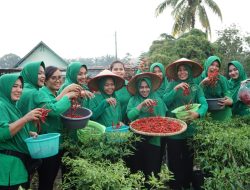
158	126
76	118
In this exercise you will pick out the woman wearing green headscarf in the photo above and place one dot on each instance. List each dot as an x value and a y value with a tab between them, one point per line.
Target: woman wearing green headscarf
216	89
118	68
183	91
14	154
237	75
142	87
105	106
159	69
76	73
33	97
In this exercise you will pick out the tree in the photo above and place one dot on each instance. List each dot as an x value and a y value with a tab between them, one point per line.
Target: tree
9	60
232	44
185	12
192	45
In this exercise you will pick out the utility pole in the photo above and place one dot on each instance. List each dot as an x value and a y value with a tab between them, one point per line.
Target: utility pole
115	46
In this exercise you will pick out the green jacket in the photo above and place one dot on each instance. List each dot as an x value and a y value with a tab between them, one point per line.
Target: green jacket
133	113
53	122
174	99
71	77
239	108
220	90
33	98
102	111
12	169
123	97
160	91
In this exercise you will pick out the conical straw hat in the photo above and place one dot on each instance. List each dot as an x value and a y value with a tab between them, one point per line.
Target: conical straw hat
155	79
171	69
93	83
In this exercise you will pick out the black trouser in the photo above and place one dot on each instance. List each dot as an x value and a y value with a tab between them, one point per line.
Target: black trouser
47	172
13	187
147	158
180	159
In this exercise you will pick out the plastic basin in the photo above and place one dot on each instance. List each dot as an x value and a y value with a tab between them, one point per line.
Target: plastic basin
92	130
76	123
182	113
213	104
116	134
43	146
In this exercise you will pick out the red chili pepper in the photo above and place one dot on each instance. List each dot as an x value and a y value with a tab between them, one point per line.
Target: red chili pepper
44	113
118	125
156	125
186	92
213	73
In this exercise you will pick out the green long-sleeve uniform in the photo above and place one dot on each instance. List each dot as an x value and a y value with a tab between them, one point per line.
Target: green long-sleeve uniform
103	112
133	113
123	97
174	99
12	170
53	122
161	90
239	108
33	98
220	90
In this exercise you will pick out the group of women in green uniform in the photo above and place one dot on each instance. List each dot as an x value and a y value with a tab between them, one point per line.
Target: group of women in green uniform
113	100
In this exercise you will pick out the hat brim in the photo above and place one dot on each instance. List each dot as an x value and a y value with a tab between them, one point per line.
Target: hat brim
93	83
155	79
171	69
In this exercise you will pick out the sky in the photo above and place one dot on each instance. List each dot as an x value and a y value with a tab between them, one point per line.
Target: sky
83	28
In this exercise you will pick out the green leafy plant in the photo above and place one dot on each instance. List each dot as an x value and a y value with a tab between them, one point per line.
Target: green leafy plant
222	149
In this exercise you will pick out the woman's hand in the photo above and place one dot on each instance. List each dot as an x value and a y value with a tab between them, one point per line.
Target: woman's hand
111	101
73	87
73	94
205	81
33	115
182	86
146	103
87	94
226	102
192	115
33	134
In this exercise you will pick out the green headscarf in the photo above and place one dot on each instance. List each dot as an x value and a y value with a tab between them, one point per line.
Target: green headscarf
7	82
234	84
73	70
159	109
71	74
208	63
30	73
10	114
160	91
190	73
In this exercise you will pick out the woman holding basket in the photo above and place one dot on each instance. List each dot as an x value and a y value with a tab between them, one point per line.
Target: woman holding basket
145	103
183	92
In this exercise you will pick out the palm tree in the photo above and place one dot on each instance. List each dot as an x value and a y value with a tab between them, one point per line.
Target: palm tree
186	11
